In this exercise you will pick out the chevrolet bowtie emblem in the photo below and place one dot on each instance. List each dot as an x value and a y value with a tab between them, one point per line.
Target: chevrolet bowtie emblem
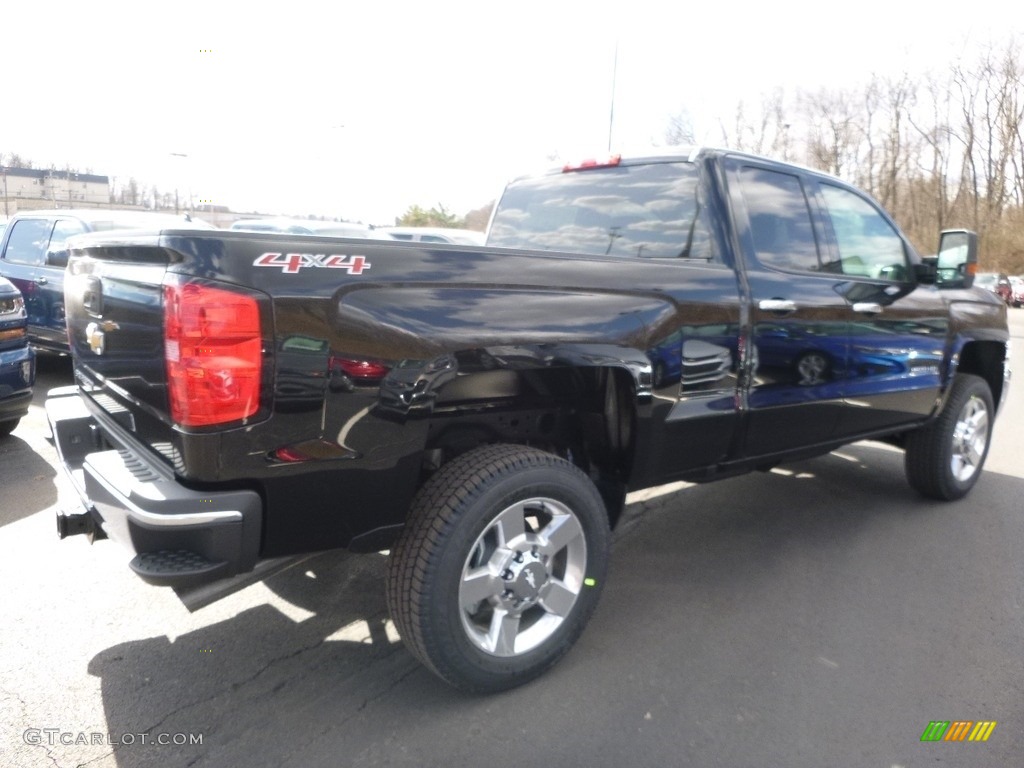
95	335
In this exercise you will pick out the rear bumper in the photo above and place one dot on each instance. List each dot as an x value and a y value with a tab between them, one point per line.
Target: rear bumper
180	537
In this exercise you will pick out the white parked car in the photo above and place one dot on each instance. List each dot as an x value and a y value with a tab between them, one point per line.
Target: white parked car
437	235
310	227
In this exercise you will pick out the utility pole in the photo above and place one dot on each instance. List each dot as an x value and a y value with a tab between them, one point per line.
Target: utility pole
183	156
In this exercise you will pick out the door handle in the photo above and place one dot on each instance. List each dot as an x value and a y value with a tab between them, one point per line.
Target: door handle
41	280
776	305
867	307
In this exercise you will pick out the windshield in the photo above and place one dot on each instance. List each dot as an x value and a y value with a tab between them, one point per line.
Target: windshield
645	211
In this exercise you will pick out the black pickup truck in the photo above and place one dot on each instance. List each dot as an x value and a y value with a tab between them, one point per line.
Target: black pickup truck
482	411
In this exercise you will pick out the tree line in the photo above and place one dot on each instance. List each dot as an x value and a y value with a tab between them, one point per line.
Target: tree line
939	151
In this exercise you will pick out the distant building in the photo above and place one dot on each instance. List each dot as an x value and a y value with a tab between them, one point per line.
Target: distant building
43	188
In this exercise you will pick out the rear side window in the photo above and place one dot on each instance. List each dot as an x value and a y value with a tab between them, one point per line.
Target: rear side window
868	245
64	229
28	241
780	220
641	211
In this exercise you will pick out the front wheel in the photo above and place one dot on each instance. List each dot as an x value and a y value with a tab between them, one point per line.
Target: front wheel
944	459
499	567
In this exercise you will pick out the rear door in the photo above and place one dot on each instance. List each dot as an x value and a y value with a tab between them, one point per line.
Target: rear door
799	318
50	281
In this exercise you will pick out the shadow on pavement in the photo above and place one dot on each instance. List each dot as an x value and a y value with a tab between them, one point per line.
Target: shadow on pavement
773	619
27	480
26	476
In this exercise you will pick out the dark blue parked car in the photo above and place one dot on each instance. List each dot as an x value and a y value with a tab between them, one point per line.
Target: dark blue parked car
17	359
34	252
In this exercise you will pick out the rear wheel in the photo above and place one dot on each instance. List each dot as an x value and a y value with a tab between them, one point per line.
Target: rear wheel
944	459
499	567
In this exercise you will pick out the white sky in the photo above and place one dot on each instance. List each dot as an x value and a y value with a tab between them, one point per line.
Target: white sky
360	110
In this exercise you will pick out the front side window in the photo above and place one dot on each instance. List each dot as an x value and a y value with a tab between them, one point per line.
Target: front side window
868	244
28	241
780	221
653	210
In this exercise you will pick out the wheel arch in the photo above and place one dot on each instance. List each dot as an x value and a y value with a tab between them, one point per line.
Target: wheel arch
986	359
583	404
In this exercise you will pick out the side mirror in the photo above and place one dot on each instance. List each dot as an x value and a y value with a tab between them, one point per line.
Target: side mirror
957	260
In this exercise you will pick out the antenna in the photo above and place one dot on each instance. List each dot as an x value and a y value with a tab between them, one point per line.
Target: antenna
611	110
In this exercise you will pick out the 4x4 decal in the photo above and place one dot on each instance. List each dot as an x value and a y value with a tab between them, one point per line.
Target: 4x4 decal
291	263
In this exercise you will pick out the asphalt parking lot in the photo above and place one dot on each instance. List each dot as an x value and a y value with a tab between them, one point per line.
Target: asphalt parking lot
820	614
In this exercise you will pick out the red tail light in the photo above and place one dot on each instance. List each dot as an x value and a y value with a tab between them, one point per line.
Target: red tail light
214	352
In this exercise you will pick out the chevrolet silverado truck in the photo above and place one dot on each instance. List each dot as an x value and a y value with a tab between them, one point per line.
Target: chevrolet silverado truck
482	412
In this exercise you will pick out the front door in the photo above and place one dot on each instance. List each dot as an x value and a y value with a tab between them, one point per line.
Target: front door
899	329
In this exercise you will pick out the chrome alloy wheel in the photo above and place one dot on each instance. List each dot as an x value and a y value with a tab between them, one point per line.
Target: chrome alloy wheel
812	368
970	437
523	576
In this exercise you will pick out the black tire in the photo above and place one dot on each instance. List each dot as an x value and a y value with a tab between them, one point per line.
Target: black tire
478	591
6	427
944	459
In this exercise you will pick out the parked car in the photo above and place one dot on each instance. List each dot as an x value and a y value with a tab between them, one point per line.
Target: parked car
310	227
17	359
996	282
34	252
1017	286
437	235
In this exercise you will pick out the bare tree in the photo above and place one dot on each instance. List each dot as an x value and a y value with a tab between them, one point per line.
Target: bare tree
679	130
14	160
768	133
899	96
938	151
833	131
